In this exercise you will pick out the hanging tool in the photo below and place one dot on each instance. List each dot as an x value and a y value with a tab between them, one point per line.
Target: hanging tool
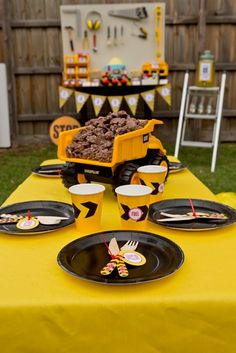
94	22
109	41
85	43
158	31
70	31
77	14
95	49
115	42
122	35
143	32
137	14
142	36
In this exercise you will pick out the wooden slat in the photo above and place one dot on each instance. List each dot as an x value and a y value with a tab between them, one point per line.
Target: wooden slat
35	24
42	117
21	52
1	47
37	70
26	129
53	48
52	9
202	27
225	33
193	20
192	67
180	20
1	11
221	19
227	113
53	83
24	94
39	87
172	67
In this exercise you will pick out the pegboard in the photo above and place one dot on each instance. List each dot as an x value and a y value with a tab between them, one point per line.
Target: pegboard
132	50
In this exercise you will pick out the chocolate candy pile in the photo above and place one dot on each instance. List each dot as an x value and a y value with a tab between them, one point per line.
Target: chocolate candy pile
95	141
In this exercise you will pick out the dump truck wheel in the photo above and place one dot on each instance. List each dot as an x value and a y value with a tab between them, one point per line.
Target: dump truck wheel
70	175
128	174
160	160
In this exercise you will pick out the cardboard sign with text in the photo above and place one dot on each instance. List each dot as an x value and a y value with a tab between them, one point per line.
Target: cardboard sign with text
62	124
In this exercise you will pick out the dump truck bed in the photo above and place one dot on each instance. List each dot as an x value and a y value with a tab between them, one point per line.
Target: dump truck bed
126	147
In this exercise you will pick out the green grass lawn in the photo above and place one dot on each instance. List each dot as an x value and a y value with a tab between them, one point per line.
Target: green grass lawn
16	165
198	161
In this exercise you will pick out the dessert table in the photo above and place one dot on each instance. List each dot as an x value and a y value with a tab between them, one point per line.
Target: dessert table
44	309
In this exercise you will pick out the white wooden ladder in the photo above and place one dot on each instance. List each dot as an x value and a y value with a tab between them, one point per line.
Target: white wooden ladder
200	103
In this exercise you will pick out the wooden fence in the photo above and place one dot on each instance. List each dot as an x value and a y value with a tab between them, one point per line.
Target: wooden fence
30	45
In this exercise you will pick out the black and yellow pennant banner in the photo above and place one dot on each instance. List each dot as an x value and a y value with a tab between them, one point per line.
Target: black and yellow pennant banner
64	95
80	100
165	92
149	98
115	101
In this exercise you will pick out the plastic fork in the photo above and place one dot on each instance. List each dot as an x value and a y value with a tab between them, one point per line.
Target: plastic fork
130	245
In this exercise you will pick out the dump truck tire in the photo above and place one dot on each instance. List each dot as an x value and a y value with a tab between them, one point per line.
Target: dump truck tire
127	174
70	175
160	159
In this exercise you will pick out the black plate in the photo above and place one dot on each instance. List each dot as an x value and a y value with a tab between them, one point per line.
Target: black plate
38	208
49	170
175	167
182	206
86	256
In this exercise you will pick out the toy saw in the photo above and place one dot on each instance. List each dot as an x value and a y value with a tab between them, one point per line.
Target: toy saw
137	14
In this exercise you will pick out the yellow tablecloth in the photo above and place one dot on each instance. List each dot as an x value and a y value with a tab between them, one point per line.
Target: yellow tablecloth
45	310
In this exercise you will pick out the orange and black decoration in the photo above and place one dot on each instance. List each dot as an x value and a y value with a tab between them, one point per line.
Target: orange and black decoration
87	210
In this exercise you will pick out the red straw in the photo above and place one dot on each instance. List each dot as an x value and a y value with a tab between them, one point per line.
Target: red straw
193	209
29	214
104	241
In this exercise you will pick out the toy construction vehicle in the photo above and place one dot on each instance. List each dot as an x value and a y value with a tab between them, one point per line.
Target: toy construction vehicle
115	74
153	70
130	150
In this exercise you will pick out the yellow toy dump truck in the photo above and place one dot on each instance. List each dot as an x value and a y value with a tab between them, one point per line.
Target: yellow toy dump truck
128	152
